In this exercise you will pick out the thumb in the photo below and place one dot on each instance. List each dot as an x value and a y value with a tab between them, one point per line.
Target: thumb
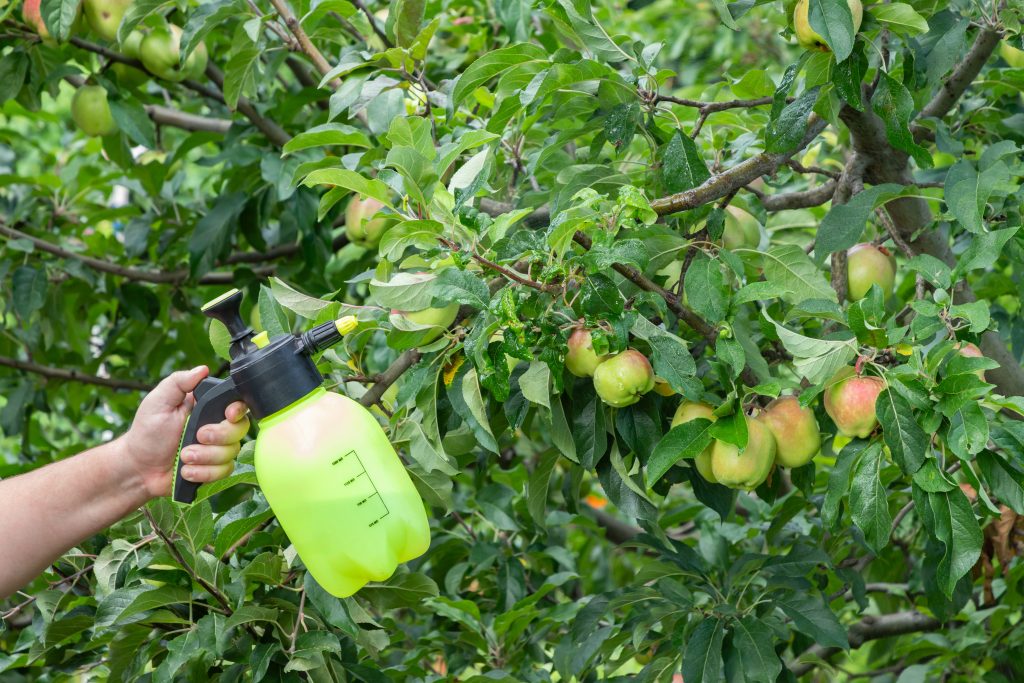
172	390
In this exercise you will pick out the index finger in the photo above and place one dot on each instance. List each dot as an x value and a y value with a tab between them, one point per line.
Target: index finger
236	411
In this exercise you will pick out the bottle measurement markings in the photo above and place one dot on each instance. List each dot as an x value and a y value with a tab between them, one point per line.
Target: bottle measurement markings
352	466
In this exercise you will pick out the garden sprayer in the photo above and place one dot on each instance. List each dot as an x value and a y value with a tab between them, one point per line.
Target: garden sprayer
328	470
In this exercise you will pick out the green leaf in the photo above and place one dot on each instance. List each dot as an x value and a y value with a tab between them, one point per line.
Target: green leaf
869	506
295	301
705	289
408	17
784	133
350	180
672	361
753	640
1004	478
957	528
206	17
833	21
903	435
59	16
493	64
815	359
325	135
13	70
248	614
791	271
535	384
983	251
460	286
137	11
538	485
894	104
28	286
213	232
839	484
240	74
812	617
843	225
132	118
900	18
702	658
401	590
687	440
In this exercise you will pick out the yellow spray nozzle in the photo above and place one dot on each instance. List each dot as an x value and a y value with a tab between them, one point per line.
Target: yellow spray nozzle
261	339
346	324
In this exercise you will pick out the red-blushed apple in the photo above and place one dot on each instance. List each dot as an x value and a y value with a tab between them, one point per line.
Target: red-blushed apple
580	358
850	402
746	469
797	438
969	350
868	265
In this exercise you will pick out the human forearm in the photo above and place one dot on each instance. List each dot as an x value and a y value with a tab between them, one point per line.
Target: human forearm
45	512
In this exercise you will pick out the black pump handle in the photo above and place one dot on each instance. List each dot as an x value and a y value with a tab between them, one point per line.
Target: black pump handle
213	396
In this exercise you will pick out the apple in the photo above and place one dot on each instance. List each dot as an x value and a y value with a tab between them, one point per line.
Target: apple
662	387
439	318
687	411
868	265
580	359
129	76
748	468
34	18
91	113
1013	56
969	350
621	380
360	226
104	16
160	52
850	402
807	36
742	231
796	433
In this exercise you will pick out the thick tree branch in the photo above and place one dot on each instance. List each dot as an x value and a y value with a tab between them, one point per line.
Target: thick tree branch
867	629
73	375
274	132
738	176
963	75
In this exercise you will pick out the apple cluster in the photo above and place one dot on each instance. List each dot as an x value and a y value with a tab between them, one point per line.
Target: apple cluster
158	49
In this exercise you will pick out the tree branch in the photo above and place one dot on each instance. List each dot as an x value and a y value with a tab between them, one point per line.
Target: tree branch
305	43
390	376
963	75
740	175
373	23
73	375
816	196
165	116
275	133
867	629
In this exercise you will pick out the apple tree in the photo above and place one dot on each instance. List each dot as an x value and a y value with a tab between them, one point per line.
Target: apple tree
697	325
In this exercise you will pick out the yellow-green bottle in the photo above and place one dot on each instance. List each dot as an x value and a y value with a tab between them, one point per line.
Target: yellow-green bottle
328	470
339	491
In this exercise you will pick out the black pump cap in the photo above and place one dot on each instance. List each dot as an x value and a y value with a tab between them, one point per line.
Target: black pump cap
270	376
274	377
227	308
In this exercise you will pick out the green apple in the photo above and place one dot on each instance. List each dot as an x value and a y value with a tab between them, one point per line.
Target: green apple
360	225
687	411
850	402
1013	56
160	52
868	265
438	318
621	380
104	16
129	76
797	438
745	469
807	36
580	359
91	113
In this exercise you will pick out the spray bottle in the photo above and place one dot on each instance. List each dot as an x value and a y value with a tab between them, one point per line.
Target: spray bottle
328	470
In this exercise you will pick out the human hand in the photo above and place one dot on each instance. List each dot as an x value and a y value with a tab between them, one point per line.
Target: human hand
151	444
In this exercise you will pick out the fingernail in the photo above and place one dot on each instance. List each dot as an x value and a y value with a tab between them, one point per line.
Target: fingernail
188	456
198	368
188	472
